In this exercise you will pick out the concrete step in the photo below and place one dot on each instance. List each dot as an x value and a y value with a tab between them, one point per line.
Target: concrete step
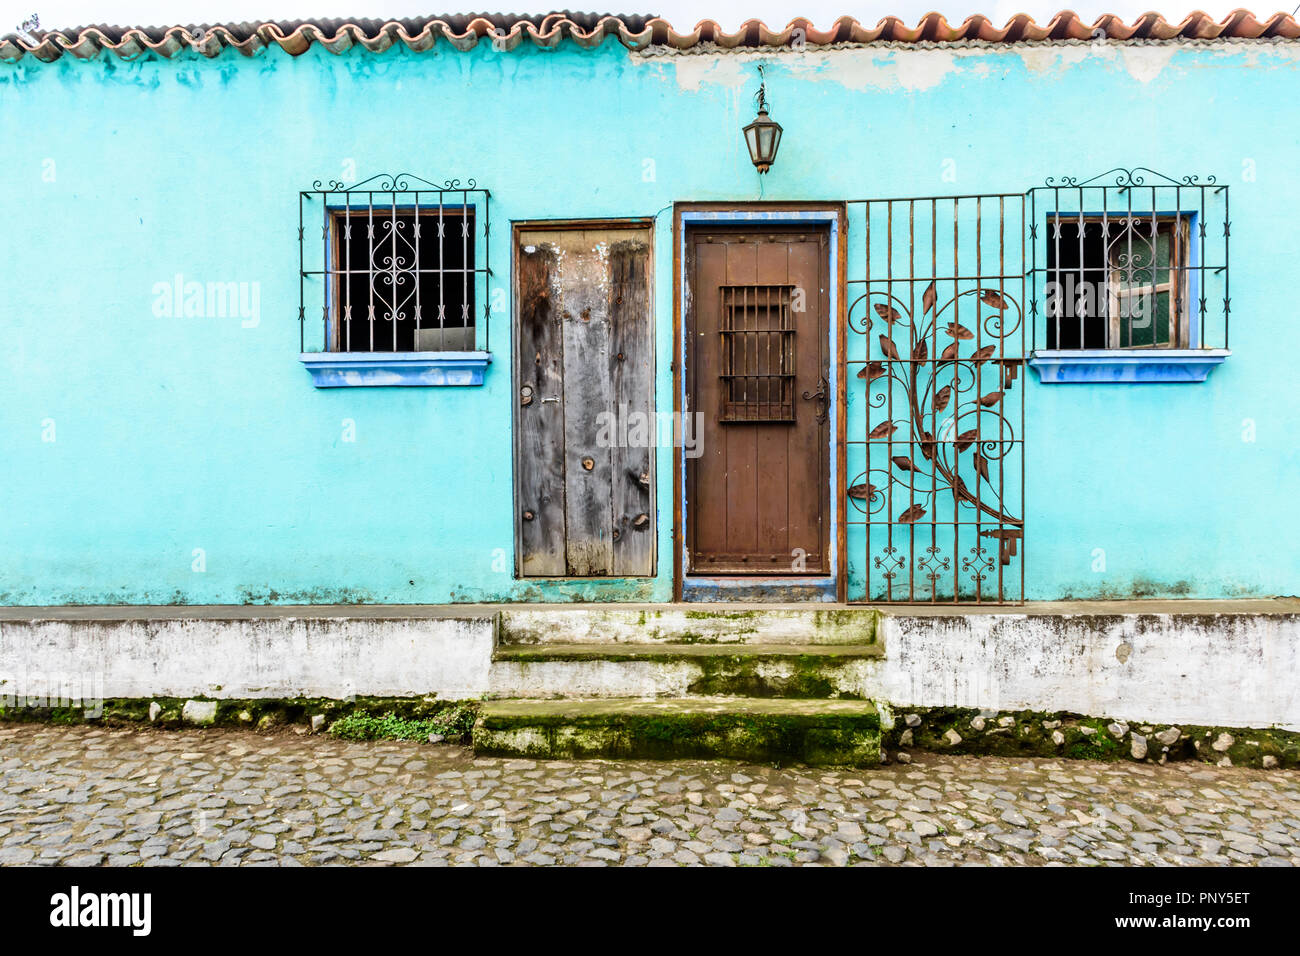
683	670
817	732
689	624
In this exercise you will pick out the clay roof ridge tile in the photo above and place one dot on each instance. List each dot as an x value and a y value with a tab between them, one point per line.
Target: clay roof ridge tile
635	31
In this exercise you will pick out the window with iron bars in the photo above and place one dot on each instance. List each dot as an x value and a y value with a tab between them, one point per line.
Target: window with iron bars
1131	259
757	353
402	265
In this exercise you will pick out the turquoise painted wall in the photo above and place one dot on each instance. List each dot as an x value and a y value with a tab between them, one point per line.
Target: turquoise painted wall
130	440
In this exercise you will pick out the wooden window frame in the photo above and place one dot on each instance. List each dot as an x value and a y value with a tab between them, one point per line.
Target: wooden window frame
335	217
1178	228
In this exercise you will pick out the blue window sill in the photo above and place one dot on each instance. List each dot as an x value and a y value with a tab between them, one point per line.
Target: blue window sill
1097	366
376	369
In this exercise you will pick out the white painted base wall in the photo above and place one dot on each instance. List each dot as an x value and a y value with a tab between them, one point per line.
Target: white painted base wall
1235	670
1224	669
269	657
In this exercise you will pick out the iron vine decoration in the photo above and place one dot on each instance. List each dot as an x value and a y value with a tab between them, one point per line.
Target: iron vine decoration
969	422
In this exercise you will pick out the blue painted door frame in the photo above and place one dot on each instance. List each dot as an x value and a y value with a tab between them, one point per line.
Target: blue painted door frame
825	588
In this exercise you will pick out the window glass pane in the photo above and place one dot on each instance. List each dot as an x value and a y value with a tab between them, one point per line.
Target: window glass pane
1144	319
1164	253
1076	292
1139	265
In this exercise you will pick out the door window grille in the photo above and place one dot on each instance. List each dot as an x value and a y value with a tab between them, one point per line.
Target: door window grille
758	364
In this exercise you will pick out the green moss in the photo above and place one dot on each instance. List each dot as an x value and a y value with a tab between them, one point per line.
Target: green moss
693	637
453	722
808	676
862	624
263	714
1098	746
804	672
808	736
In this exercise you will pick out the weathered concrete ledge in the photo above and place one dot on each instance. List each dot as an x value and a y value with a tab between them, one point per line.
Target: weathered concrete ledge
248	653
688	624
1210	664
1205	663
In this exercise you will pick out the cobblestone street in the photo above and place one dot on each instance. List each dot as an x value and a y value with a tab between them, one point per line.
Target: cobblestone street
86	796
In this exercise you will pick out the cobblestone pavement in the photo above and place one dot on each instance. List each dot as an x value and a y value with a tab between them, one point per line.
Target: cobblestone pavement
81	796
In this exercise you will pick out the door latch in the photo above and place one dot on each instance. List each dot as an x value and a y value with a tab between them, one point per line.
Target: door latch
819	396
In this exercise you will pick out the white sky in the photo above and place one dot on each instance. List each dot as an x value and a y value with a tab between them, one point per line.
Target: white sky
682	13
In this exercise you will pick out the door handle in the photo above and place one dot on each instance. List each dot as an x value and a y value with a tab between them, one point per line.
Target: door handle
526	397
819	396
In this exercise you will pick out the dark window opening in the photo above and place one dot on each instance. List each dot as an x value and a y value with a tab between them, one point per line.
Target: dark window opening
402	282
757	353
1117	282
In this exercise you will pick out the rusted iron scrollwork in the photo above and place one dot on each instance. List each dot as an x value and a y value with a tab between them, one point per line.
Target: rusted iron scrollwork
402	264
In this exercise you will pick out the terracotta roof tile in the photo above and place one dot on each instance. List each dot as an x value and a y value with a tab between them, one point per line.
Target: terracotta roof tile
463	31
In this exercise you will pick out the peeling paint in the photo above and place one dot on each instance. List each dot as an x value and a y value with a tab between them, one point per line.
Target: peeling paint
1144	64
913	68
1050	59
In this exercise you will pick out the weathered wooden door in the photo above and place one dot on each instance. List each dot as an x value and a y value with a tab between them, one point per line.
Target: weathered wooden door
584	420
757	370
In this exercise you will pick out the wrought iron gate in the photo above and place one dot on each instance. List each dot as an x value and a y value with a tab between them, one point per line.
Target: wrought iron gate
935	400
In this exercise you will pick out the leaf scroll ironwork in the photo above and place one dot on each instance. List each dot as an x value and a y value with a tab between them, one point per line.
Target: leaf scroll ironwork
947	384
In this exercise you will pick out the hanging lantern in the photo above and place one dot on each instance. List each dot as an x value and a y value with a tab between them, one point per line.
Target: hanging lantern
763	136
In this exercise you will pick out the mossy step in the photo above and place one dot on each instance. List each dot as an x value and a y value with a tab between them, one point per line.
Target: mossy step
668	652
817	732
689	624
823	671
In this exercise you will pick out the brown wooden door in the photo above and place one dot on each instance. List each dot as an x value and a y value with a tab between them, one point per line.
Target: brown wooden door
757	495
584	377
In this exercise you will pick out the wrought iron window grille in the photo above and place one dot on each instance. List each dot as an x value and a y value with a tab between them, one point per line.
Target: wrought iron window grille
1129	259
402	265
